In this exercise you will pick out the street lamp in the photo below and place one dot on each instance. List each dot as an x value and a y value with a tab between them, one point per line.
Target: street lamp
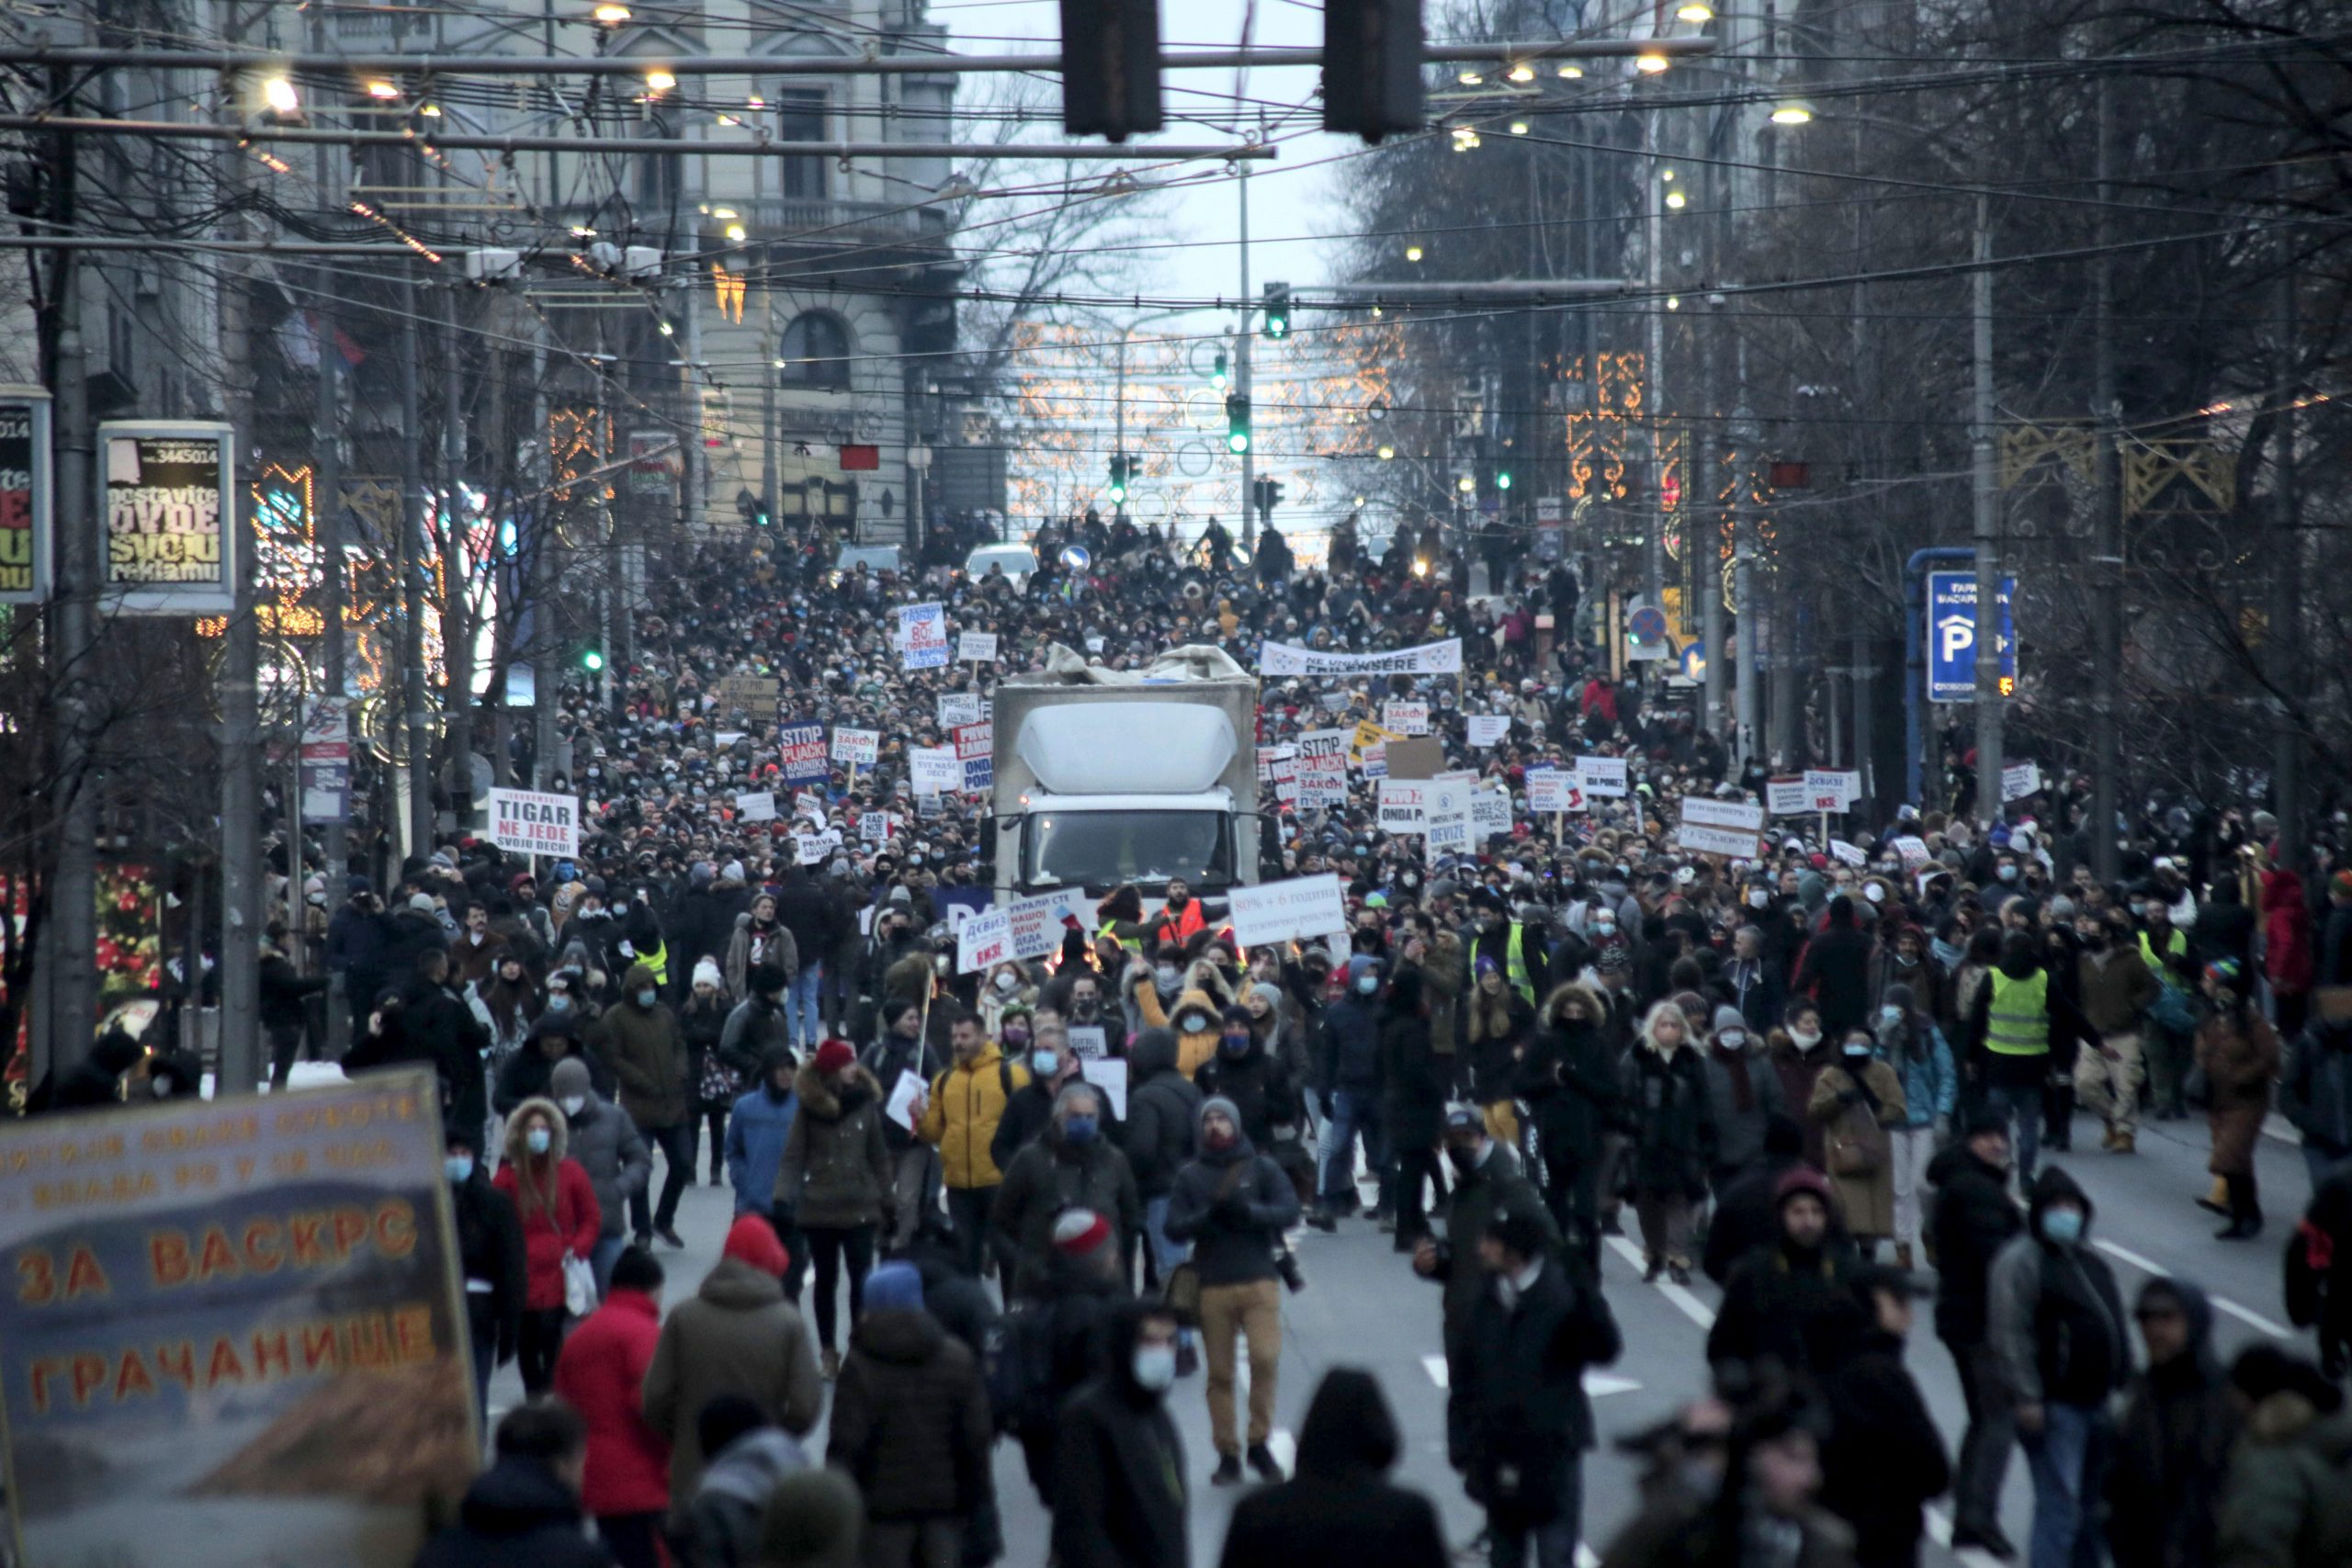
611	14
280	95
1694	12
1651	63
1794	112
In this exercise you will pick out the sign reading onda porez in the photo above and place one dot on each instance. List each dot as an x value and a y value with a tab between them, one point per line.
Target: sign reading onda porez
167	515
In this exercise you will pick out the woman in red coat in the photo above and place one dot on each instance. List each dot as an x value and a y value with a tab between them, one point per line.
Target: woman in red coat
2287	947
625	1481
557	1205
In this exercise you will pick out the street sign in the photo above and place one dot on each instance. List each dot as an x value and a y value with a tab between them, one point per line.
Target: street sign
1951	635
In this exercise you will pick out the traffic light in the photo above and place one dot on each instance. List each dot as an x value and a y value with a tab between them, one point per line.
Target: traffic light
1372	66
1121	467
752	508
592	658
1265	495
1109	67
1277	323
1237	423
1217	373
1502	479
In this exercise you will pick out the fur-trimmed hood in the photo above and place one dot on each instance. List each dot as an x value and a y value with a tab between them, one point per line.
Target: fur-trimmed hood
818	1099
560	1135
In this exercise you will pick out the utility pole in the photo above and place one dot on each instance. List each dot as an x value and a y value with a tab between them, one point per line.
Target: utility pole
1654	365
1745	438
411	556
239	1069
1987	498
547	636
1241	379
1707	460
2283	635
72	994
457	619
2107	602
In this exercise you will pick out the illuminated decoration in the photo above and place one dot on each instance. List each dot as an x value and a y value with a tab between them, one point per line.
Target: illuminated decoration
1606	423
730	289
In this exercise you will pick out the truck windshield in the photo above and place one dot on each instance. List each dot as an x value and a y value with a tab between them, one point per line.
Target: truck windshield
1100	850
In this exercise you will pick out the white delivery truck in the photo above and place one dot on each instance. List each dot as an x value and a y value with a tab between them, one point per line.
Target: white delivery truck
1105	777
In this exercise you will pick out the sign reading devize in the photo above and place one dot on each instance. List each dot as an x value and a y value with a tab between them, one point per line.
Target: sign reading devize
165	498
1280	911
239	1316
25	496
531	823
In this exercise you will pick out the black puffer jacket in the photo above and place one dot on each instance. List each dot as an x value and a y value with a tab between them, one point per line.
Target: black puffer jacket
1260	1088
1412	1079
1972	1219
1233	1205
1162	1108
516	1515
835	1174
910	1418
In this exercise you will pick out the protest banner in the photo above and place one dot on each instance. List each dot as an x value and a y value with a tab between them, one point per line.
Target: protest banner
1430	658
1489	728
755	806
976	745
1553	792
1831	789
758	697
1405	718
234	1331
983	942
1403	808
1036	923
1720	828
1603	777
1787	797
935	770
976	648
858	748
1321	780
958	708
1286	911
2019	780
922	635
801	751
529	822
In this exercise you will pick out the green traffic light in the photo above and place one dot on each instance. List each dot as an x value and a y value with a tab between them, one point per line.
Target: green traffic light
1502	480
1238	442
592	661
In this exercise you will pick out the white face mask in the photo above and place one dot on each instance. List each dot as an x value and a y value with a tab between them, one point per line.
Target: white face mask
573	1103
1155	1367
1807	1039
1007	982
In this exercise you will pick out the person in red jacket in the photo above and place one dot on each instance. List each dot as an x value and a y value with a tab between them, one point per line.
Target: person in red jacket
557	1204
601	1374
2287	947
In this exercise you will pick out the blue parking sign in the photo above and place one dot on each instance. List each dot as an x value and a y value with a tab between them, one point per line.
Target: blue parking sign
1952	635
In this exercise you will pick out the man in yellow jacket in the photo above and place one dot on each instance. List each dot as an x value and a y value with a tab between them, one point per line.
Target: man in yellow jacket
959	1115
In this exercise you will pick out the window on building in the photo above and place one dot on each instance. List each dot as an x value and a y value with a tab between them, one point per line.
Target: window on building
815	352
801	117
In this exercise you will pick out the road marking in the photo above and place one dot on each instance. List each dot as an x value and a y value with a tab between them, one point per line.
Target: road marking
1597	1384
1285	1447
1691	1306
1940	1528
2246	1315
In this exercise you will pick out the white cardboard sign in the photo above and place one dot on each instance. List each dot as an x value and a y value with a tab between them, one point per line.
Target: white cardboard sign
529	822
1283	912
1602	776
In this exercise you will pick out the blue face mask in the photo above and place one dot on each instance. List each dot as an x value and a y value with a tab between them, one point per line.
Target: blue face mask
1043	1063
458	1168
645	998
536	1140
1367	984
1079	1129
1234	1044
559	1001
2062	1226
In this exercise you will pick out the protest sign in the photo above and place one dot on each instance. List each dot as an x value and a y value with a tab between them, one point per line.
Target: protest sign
531	823
1787	797
958	708
801	751
1036	923
1430	658
1490	811
1325	743
1850	854
1913	849
1489	728
810	847
1402	805
922	635
1405	718
756	696
1831	789
935	770
873	827
1108	1074
2019	780
1285	911
976	744
976	648
756	805
983	942
858	748
234	1331
1087	1041
1445	807
1550	791
1321	780
1419	758
1602	776
1720	828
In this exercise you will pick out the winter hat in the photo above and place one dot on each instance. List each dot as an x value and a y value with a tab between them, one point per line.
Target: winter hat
1518	1230
835	1054
752	1240
1079	1231
1223	1106
701	876
354	885
707	973
571	1078
1801	1180
894	1285
1729	1017
814	1519
1271	995
422	903
1234	1013
734	871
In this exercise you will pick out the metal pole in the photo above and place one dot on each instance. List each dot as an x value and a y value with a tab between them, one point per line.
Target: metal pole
1745	436
547	635
1708	459
1119	416
1654	367
2107	602
1988	501
1242	381
239	1069
2284	633
412	571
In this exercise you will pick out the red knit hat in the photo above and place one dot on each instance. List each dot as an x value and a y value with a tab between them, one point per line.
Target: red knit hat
835	1054
1079	1231
753	1239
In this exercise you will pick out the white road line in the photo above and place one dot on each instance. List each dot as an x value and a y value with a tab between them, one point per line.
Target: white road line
1691	1306
2244	1314
1439	1372
1940	1530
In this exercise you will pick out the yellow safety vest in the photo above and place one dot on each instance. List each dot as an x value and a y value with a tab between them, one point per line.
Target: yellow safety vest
2173	949
659	962
2017	1024
1515	964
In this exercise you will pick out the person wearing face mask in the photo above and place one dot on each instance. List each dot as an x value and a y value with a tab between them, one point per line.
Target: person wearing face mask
1487	1181
1051	1064
834	1181
2055	1324
1856	1099
1413	1083
1743	1096
760	938
1232	1204
1163	1107
1497	1026
641	1044
1522	952
1073	1164
1672	1143
2020	1020
1539	1324
1750	982
1916	1048
1835	970
1800	1050
490	1260
2117	990
1347	1085
901	1049
1008	988
605	1144
1152	990
1120	1497
556	1204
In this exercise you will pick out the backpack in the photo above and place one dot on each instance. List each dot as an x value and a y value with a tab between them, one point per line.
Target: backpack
1018	1366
